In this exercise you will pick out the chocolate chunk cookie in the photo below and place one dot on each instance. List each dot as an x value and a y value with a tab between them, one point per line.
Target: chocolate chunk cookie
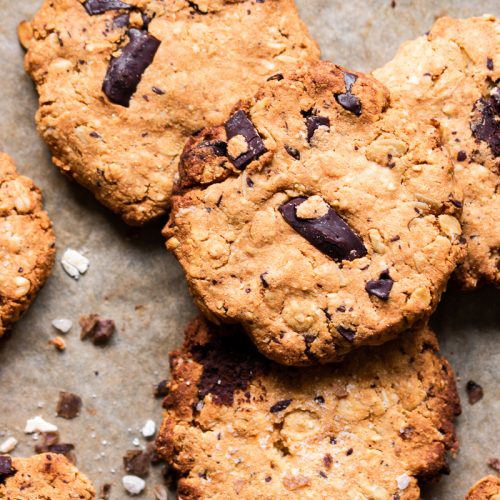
486	489
240	426
318	216
42	477
122	84
452	75
27	243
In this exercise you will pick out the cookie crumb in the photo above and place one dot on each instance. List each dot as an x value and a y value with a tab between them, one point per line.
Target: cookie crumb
133	484
74	263
38	424
474	392
59	343
8	445
69	405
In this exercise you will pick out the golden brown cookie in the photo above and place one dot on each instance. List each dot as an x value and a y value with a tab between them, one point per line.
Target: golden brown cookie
123	84
486	489
318	216
42	477
240	426
452	75
27	243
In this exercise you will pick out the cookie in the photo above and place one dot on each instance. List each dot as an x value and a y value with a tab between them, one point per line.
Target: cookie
486	489
27	243
318	216
122	84
452	75
42	477
240	426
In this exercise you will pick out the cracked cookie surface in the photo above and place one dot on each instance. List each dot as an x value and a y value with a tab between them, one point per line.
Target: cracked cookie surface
452	75
123	84
27	243
42	477
318	216
486	489
240	426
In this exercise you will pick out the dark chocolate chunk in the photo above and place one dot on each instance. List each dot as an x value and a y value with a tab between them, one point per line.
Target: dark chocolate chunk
330	233
94	7
280	406
278	77
474	392
380	288
125	71
69	405
96	328
485	124
239	124
121	21
160	390
461	156
350	102
6	469
313	123
294	153
347	333
489	63
137	462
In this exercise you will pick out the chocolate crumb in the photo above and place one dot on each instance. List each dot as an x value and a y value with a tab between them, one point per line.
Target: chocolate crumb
160	390
280	406
137	462
489	63
319	400
474	392
98	329
349	451
69	405
105	492
50	444
494	463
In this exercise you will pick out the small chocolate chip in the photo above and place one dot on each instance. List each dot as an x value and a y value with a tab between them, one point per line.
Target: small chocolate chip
319	400
263	280
268	479
278	77
239	124
250	182
330	233
161	389
125	71
347	333
349	102
294	153
280	406
327	460
158	91
380	288
137	463
95	135
6	469
489	63
461	156
94	7
349	451
69	405
474	392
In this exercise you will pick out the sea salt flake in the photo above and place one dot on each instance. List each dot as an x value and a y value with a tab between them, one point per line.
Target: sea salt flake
133	484
74	263
38	424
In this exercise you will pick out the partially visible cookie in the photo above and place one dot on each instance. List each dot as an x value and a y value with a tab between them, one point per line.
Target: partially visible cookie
486	489
27	243
122	84
240	426
452	75
42	477
318	216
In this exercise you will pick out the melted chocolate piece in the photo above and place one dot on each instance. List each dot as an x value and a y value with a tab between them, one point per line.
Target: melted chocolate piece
485	125
280	406
380	288
121	21
125	71
95	7
239	124
330	233
347	100
6	469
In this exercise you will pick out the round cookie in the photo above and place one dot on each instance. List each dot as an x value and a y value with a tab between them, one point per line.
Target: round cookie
486	489
452	75
122	84
27	243
238	425
42	477
318	216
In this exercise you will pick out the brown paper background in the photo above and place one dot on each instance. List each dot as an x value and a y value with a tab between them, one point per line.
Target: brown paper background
129	268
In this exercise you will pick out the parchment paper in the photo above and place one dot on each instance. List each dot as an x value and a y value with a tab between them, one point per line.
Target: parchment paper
134	281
